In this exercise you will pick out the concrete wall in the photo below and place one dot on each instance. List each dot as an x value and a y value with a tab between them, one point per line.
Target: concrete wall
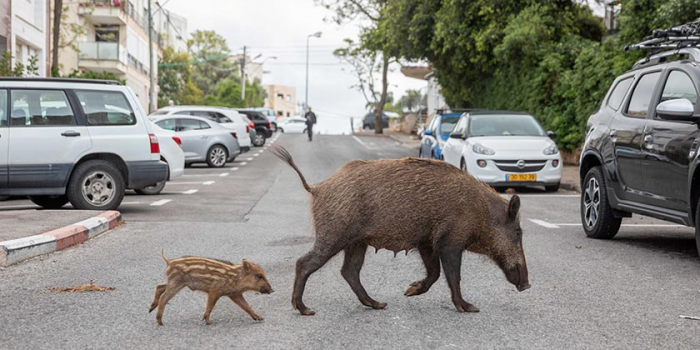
5	25
30	32
282	99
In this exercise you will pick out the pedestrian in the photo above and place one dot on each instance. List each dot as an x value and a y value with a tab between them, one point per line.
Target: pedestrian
310	121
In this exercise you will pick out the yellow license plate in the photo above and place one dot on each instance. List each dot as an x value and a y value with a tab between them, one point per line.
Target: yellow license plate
521	177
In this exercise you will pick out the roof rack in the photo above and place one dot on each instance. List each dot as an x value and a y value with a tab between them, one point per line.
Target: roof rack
684	39
62	80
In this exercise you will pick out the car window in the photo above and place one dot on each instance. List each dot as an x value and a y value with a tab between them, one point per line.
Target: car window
40	108
641	96
106	108
3	107
679	85
461	126
448	124
203	125
504	125
619	92
188	124
223	118
168	124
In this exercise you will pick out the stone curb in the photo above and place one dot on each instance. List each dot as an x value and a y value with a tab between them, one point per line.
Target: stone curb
16	250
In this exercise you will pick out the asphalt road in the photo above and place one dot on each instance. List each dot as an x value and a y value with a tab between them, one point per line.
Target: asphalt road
624	293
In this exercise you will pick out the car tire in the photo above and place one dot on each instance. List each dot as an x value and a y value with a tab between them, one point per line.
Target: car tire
96	185
260	139
697	229
552	188
49	202
217	156
280	130
597	215
154	189
4	198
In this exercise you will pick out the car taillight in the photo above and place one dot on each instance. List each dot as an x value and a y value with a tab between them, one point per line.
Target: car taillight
234	135
178	141
251	124
269	124
155	147
247	129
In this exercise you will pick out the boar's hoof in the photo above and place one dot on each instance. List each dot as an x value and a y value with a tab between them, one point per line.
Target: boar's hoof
257	317
378	306
416	288
307	312
463	306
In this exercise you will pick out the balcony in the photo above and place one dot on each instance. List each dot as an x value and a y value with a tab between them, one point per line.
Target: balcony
103	12
103	56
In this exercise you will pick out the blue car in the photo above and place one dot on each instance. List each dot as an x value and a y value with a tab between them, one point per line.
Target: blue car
436	134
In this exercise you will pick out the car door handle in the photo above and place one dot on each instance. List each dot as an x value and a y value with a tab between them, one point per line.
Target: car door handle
70	133
648	141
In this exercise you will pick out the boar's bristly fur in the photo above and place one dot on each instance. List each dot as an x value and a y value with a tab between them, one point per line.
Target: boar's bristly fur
421	204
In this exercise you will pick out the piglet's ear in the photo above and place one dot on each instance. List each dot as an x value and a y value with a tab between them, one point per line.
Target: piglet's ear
247	266
513	207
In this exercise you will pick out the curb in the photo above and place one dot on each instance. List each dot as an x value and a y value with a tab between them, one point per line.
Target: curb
16	250
570	187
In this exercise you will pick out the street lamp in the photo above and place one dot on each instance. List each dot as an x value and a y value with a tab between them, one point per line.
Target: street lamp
306	93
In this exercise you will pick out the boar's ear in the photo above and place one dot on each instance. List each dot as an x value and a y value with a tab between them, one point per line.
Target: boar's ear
513	207
247	267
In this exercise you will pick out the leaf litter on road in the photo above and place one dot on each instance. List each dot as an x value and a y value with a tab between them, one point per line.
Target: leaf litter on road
90	287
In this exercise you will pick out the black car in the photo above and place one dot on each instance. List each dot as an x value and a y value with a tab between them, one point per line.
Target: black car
641	150
368	122
263	126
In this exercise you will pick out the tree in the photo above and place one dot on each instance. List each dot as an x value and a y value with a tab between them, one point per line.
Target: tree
211	50
175	79
88	74
411	100
55	35
19	69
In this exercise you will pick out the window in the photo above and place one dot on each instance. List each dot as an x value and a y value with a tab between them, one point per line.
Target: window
168	124
280	113
288	115
40	108
461	127
504	125
191	124
618	93
224	119
678	86
3	107
641	96
204	114
448	124
106	108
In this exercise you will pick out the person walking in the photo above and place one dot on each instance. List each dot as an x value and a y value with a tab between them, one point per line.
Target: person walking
310	121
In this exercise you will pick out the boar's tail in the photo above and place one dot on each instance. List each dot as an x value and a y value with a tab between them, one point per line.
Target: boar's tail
283	154
163	256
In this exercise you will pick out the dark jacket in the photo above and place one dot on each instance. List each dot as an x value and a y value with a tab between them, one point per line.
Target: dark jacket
310	118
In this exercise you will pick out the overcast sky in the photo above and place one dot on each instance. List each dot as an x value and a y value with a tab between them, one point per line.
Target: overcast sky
279	28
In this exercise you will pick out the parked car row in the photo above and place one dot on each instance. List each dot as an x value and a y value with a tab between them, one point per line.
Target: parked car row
87	141
501	148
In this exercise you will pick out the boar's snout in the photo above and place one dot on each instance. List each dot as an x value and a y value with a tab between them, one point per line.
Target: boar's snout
266	290
517	275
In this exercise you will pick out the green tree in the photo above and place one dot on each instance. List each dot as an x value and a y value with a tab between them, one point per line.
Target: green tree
211	50
19	69
175	79
88	74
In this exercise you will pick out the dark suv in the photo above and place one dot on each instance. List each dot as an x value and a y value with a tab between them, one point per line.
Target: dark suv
263	126
640	154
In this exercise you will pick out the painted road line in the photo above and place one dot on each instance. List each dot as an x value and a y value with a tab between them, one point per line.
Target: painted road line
256	154
201	175
206	183
224	174
250	159
243	163
234	168
190	192
361	142
161	202
261	151
543	223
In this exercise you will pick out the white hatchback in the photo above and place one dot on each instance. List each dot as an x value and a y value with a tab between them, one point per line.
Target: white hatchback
292	125
226	117
504	149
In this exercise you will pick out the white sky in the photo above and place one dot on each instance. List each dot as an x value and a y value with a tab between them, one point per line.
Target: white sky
279	28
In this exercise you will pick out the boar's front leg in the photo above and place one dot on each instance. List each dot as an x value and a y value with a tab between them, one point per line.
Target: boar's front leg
310	263
432	267
452	263
243	304
212	298
354	259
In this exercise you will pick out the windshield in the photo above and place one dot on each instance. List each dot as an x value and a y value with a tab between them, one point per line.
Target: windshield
504	125
448	123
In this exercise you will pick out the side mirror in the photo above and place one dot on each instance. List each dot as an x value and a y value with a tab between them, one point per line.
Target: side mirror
456	136
428	132
677	109
551	134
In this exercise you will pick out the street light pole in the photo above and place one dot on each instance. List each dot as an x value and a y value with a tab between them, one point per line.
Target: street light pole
151	87
306	92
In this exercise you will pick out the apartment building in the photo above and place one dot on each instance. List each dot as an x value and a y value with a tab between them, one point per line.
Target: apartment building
5	25
171	28
282	99
24	31
113	37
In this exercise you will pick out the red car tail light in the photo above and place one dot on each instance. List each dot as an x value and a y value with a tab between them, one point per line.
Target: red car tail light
251	124
155	147
269	124
178	141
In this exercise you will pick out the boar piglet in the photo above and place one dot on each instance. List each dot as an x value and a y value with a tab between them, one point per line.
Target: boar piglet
405	204
215	277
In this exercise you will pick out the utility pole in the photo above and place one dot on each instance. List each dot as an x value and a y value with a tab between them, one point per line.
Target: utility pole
242	61
152	88
306	93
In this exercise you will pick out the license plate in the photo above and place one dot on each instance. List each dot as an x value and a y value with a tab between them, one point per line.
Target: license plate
521	177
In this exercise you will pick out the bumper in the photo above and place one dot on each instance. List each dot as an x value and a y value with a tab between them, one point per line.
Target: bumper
245	149
493	176
146	173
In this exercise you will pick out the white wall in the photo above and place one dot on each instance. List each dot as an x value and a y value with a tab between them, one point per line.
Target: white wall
29	32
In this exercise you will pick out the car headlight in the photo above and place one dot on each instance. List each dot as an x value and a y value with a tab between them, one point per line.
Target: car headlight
480	149
552	149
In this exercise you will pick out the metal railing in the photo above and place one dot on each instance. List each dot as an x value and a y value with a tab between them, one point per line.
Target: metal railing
131	11
103	51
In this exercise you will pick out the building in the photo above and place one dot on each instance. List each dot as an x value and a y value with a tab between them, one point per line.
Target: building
253	70
28	34
282	99
112	36
435	100
171	28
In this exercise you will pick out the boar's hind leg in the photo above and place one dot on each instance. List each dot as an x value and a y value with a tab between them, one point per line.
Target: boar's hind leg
451	264
432	267
160	289
354	258
308	264
170	290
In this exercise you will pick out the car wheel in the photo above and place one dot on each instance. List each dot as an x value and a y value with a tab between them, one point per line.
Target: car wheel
96	185
3	198
49	202
552	188
280	130
596	214
153	189
697	229
216	156
259	140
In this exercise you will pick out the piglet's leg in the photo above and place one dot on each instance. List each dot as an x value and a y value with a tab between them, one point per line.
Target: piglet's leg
451	263
243	304
160	289
211	302
170	290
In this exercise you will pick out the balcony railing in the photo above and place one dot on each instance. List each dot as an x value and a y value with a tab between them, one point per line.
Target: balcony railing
131	11
103	51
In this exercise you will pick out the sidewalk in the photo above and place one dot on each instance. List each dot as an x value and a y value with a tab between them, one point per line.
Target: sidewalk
23	223
411	141
570	178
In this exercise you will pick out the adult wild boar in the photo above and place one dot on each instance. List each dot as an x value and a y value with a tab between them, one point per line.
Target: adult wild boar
404	204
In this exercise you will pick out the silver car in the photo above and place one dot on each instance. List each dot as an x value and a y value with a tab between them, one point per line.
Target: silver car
203	140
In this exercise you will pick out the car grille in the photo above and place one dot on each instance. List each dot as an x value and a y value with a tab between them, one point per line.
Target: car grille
512	165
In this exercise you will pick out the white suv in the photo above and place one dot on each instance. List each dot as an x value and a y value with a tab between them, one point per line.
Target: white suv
226	117
77	141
